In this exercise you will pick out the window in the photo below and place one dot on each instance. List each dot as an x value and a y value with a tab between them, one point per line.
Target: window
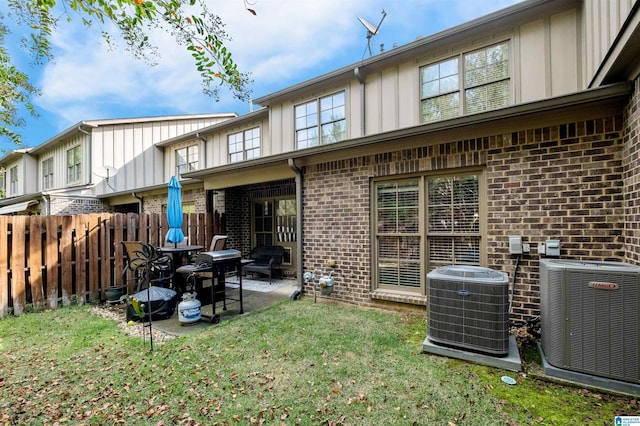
2	183
453	210
244	145
407	246
74	163
263	223
398	233
13	180
321	121
473	82
47	173
186	160
274	221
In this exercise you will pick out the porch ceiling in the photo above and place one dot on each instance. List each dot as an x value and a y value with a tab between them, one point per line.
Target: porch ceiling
249	174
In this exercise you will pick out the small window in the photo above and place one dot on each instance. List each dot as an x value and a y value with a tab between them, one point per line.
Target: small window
74	164
47	173
321	121
186	160
13	180
244	145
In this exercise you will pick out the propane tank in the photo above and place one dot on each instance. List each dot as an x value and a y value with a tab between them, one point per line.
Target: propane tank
189	309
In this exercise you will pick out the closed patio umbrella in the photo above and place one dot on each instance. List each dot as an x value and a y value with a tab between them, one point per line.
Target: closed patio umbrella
174	212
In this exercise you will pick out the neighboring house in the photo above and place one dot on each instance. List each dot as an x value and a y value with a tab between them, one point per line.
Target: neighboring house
74	171
523	122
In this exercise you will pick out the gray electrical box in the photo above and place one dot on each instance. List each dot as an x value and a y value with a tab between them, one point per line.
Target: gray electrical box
553	248
515	244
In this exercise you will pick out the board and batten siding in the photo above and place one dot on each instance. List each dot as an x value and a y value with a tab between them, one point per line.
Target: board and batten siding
131	148
602	21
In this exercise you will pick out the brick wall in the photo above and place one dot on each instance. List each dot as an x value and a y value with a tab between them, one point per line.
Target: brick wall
72	206
561	182
632	177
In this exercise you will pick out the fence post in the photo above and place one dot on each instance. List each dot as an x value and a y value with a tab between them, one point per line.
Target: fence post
4	266
51	260
80	226
35	262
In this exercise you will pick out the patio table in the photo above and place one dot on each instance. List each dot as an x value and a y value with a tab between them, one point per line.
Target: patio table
177	252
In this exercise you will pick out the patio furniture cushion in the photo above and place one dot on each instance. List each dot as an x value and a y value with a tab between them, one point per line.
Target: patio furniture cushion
266	260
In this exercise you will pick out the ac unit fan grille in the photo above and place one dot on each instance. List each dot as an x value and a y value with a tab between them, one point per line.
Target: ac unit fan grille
469	315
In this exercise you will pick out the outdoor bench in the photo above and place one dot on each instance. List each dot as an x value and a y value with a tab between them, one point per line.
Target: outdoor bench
267	260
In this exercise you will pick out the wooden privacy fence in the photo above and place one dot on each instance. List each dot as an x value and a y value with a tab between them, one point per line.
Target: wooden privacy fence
47	261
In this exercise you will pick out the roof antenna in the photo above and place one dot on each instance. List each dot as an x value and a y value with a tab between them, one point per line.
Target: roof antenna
372	30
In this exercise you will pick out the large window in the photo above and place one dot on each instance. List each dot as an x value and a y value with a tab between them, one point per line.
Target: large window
321	121
453	211
244	145
47	173
13	180
473	82
398	233
422	223
74	164
186	160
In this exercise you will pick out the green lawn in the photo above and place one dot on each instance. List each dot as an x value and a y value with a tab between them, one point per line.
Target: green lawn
293	363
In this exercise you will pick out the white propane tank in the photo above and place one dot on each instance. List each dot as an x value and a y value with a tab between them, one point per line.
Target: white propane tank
189	309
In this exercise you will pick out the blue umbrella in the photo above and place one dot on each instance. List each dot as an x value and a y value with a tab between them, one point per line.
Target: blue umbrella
174	212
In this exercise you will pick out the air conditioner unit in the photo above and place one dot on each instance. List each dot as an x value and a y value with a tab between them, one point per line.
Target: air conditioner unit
469	309
589	313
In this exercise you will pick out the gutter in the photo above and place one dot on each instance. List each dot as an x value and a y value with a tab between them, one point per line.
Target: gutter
299	212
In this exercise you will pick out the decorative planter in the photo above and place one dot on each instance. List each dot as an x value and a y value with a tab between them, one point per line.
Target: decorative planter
114	293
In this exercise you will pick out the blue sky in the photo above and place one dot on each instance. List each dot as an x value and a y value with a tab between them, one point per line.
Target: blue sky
287	42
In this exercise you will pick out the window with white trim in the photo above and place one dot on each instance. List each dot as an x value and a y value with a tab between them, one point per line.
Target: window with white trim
422	223
469	83
74	164
47	173
13	180
186	160
321	121
244	145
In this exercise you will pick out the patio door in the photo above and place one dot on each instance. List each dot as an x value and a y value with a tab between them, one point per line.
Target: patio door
274	223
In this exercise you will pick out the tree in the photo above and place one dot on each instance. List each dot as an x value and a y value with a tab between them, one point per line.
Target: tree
190	22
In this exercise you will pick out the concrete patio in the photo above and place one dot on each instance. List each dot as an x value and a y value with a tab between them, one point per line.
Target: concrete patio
257	294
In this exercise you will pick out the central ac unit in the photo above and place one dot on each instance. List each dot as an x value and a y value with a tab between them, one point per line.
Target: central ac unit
469	309
589	317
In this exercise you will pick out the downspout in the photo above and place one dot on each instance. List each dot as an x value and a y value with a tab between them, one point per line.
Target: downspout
81	130
140	202
360	78
46	198
204	149
299	266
